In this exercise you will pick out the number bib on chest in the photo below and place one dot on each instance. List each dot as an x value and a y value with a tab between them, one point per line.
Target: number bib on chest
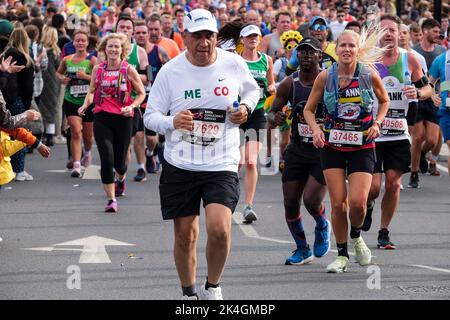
209	127
394	123
342	137
304	131
79	90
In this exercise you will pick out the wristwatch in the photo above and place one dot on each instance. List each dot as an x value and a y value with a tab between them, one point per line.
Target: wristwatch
418	93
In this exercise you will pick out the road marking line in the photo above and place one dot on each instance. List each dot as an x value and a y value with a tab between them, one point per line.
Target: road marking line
430	268
92	173
442	167
250	232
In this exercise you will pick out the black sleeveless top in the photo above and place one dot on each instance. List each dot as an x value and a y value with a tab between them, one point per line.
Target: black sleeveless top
301	133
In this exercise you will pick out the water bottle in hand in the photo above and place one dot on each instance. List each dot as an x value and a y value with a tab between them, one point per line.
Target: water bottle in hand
408	82
236	107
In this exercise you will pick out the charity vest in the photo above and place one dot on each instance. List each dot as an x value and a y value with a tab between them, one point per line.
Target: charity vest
395	125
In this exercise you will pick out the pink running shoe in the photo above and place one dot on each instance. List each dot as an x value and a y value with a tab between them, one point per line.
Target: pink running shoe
111	206
86	160
120	187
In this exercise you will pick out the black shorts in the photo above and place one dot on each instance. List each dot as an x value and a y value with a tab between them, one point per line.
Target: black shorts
353	161
250	131
299	167
71	109
393	155
411	116
138	123
181	190
427	111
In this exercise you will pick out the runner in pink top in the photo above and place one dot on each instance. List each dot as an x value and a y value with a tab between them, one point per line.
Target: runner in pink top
110	89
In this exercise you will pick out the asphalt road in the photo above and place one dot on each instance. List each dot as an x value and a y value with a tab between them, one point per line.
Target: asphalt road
52	211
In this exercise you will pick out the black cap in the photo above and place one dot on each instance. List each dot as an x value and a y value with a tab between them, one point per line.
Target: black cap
312	42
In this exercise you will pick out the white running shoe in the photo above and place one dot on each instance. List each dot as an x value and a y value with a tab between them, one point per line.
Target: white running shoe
1	239
210	294
186	297
249	214
338	266
23	176
362	253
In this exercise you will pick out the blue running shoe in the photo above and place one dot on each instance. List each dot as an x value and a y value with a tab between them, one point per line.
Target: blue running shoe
322	241
300	256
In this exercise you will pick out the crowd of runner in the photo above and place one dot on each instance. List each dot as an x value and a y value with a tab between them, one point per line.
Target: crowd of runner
195	89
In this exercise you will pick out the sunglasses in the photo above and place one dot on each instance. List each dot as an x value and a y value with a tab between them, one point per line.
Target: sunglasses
346	8
340	16
318	27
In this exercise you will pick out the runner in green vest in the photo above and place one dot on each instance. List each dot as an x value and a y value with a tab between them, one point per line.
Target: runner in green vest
261	67
75	72
139	60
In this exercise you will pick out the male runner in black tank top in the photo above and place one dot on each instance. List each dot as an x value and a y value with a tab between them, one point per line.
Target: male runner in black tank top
302	174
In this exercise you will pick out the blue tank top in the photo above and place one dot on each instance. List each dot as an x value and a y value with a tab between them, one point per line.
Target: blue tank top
154	61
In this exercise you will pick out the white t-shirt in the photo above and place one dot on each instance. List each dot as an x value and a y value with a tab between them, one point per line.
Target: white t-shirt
422	61
208	91
337	28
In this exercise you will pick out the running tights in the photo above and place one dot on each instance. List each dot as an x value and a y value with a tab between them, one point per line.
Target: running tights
112	134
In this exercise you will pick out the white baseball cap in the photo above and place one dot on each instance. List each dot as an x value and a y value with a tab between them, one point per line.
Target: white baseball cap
250	29
198	20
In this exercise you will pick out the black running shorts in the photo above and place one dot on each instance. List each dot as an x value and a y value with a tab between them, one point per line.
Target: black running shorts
71	109
353	161
411	116
138	123
182	190
298	167
427	111
393	155
251	130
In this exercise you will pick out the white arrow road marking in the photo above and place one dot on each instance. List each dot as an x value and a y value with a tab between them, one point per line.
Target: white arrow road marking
92	172
93	250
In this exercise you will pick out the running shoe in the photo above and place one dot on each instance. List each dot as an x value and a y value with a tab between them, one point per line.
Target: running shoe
339	265
69	164
186	297
1	239
368	218
362	253
76	173
111	206
322	240
433	170
300	256
120	187
49	142
23	176
384	242
249	214
414	180
86	159
210	294
423	163
140	176
268	161
150	163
